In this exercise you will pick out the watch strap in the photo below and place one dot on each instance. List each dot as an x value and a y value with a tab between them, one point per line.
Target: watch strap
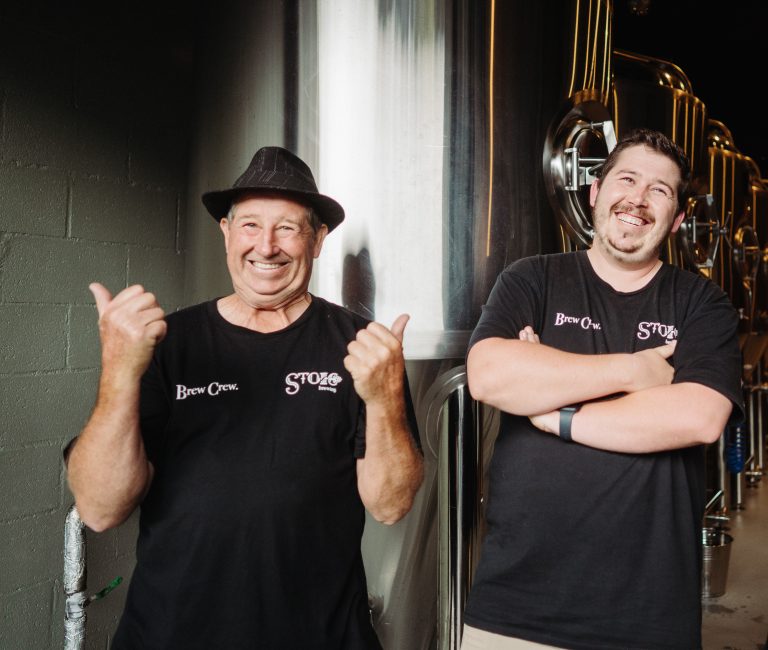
566	417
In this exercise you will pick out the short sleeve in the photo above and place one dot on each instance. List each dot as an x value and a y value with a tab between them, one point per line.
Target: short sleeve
514	302
154	411
707	349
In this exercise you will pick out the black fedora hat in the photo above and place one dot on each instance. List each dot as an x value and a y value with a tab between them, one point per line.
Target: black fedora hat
275	170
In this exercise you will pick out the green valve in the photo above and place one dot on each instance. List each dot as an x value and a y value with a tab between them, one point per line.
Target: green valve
99	595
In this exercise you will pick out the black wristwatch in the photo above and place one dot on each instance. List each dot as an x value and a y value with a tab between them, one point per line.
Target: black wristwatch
566	415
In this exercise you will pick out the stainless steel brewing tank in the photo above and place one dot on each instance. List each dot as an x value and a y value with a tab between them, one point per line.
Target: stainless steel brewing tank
652	93
431	126
656	94
759	212
427	121
729	183
580	134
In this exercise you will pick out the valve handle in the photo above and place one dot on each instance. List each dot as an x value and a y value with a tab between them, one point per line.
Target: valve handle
100	594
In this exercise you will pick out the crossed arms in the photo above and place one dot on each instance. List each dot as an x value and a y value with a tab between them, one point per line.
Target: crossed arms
525	377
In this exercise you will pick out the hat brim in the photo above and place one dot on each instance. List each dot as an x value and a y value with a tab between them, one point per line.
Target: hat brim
329	211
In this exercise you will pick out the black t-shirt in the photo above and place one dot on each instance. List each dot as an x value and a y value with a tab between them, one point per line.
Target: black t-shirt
585	548
250	534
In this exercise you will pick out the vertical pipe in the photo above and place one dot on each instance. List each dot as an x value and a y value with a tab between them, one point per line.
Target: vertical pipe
457	542
490	127
752	430
760	429
74	581
737	490
723	476
754	470
291	74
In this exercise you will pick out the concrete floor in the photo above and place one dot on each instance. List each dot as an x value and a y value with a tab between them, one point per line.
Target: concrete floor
738	620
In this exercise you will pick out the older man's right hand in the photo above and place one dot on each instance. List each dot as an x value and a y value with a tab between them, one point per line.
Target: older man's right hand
130	326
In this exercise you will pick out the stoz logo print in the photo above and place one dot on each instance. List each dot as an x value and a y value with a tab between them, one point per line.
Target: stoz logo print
646	329
294	381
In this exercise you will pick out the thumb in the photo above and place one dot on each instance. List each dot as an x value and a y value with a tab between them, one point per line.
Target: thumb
667	350
101	295
398	327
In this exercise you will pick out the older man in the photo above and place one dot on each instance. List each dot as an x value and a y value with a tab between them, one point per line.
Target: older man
597	478
252	430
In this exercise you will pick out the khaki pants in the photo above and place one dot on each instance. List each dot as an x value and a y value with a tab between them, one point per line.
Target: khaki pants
474	639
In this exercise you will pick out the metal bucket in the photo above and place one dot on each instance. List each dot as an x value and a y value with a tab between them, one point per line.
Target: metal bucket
716	545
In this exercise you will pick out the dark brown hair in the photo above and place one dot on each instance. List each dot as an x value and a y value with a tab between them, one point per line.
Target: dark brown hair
660	143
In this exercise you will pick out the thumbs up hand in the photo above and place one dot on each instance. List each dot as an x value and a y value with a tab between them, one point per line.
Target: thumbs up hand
376	363
130	326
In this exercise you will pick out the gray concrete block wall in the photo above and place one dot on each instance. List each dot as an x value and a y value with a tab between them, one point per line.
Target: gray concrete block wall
33	201
94	128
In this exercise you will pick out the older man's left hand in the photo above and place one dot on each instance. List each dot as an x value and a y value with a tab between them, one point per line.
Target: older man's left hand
375	361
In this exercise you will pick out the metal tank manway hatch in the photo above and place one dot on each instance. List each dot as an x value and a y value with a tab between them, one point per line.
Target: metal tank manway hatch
575	150
700	235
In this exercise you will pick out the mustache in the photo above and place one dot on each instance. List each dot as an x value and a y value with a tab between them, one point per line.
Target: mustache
634	211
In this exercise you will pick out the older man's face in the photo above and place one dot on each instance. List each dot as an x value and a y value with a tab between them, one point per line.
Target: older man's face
270	248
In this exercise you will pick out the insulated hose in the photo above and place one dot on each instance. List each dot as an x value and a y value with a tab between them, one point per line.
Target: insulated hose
736	447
